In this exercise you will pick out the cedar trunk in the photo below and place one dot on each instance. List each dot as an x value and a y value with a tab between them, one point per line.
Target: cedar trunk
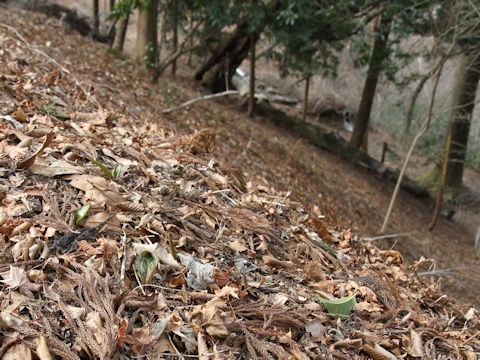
96	19
147	43
251	94
463	106
175	36
379	54
305	98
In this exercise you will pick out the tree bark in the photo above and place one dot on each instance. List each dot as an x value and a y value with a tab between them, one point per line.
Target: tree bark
147	43
120	32
305	98
175	35
462	111
411	104
251	93
190	53
379	54
96	18
217	71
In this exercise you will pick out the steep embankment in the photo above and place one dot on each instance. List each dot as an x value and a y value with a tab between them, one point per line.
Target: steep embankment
178	252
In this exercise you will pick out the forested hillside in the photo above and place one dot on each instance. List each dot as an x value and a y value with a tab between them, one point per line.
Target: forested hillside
211	191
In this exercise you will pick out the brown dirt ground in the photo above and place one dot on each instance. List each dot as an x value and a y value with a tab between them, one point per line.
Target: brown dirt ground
265	153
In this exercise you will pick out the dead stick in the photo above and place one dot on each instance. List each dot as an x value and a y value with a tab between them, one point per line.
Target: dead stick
202	98
443	177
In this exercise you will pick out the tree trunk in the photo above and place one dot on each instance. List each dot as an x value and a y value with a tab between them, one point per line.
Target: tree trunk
174	36
462	111
147	43
217	71
120	32
190	53
96	19
111	5
251	93
305	98
411	104
379	54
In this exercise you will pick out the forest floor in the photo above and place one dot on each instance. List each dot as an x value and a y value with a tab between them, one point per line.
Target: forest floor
269	154
200	243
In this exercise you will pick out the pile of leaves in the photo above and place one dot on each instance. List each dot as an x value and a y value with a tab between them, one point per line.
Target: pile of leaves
122	239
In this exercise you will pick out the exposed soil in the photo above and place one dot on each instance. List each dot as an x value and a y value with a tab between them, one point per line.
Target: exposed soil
270	155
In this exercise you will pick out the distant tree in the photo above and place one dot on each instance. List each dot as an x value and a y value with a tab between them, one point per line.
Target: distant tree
96	18
175	24
147	43
462	111
120	14
380	52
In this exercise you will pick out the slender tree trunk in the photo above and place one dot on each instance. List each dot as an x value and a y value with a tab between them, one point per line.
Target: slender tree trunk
162	35
411	104
120	32
96	18
190	53
463	106
251	93
441	187
175	35
111	5
305	98
147	43
379	54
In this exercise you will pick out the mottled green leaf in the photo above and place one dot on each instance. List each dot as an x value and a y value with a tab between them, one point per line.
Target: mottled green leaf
80	215
146	266
117	171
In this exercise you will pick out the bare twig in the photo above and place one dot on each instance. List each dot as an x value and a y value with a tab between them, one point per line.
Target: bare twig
388	236
420	133
202	98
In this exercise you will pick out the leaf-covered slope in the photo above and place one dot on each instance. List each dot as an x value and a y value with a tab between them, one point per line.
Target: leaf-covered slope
121	238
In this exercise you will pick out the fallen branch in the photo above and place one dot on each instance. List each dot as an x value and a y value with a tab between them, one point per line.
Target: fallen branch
202	98
388	236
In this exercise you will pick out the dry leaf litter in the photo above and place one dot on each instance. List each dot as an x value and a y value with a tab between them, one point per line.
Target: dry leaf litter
120	239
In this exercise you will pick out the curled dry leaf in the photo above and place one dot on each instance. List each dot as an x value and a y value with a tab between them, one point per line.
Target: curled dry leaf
17	278
42	350
26	164
199	275
416	349
93	322
202	347
378	353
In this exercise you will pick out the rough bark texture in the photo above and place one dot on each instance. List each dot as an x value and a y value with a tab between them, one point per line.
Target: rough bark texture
305	98
463	106
96	18
147	44
251	94
120	32
379	54
217	71
174	36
